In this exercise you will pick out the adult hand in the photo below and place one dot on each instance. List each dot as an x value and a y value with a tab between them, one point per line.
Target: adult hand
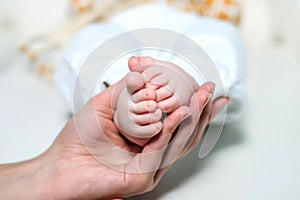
189	132
94	168
91	160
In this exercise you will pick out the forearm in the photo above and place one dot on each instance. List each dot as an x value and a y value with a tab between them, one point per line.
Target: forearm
26	180
62	172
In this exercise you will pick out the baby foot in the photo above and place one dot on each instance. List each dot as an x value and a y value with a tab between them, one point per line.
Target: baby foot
173	86
137	115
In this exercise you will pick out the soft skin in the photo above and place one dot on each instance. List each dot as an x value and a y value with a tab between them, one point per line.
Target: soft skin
67	170
152	88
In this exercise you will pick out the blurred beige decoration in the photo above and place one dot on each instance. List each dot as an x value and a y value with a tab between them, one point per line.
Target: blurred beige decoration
44	51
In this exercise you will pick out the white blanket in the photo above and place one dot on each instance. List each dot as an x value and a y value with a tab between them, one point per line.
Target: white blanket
220	40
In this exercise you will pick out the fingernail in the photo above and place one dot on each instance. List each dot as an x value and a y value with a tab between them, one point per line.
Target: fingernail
211	87
227	99
207	100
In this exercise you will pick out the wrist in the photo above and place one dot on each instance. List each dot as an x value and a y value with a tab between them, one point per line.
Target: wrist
27	180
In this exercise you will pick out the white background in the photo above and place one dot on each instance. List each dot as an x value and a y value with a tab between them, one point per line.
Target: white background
256	157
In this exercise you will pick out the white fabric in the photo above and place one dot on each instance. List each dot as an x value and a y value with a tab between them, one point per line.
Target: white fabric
220	40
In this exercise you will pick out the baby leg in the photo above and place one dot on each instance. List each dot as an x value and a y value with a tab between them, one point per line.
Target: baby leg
137	115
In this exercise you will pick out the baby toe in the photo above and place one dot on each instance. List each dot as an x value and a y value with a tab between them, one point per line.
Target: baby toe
144	107
151	73
143	95
160	80
163	93
169	105
137	63
148	118
134	81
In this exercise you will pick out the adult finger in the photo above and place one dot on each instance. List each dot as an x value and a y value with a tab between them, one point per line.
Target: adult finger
185	132
148	162
198	132
203	122
150	158
210	111
218	105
